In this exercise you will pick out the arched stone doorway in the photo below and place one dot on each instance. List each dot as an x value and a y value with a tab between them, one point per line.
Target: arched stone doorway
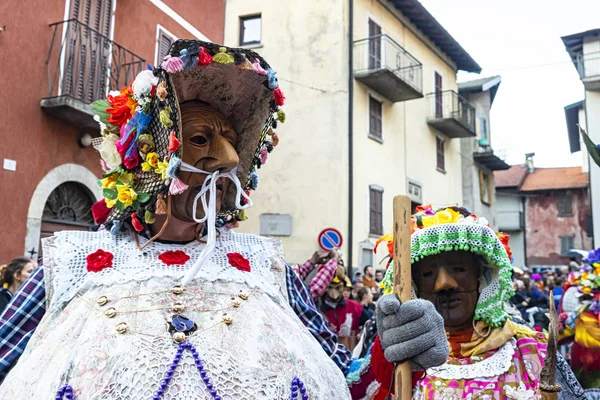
67	208
51	203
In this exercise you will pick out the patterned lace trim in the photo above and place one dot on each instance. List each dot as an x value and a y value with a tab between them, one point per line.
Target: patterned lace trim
495	365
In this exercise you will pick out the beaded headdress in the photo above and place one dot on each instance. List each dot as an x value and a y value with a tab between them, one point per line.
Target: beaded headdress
141	145
452	229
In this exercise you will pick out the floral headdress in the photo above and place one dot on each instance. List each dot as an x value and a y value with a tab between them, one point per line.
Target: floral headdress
450	229
141	144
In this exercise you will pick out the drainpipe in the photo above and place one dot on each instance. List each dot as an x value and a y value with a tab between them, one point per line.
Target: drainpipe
524	203
350	133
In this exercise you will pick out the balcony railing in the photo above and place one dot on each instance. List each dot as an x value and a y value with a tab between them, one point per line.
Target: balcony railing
588	66
384	66
451	114
82	66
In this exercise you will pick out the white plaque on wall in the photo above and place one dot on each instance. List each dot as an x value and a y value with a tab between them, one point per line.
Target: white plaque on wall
275	224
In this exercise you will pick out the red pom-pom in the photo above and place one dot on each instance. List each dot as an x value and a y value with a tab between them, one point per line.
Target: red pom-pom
99	260
279	97
239	261
100	211
204	58
137	225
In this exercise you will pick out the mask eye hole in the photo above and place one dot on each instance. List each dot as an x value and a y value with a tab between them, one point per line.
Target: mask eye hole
199	140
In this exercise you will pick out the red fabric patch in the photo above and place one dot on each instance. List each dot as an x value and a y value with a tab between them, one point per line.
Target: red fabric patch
176	257
238	261
99	260
100	211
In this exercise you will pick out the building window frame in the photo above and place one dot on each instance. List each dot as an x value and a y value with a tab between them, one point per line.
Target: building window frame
161	32
242	20
440	153
566	243
485	187
375	121
564	204
375	210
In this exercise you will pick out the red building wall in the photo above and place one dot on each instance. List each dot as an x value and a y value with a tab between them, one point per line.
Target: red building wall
544	227
38	141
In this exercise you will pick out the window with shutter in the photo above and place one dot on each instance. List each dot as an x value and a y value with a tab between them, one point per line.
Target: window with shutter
439	106
164	42
566	244
375	119
441	161
565	205
374	45
376	211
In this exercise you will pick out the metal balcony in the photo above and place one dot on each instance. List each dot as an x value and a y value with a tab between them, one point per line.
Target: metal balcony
485	156
82	66
588	66
384	66
451	114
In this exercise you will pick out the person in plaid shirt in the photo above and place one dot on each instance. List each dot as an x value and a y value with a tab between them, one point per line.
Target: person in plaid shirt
328	265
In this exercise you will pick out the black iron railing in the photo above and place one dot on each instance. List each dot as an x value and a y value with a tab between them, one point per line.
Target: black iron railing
84	64
588	65
379	52
449	104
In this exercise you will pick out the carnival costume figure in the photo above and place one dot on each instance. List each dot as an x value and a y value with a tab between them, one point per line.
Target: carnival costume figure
461	267
580	322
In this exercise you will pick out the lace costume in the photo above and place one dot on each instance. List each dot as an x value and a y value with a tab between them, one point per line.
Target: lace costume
255	357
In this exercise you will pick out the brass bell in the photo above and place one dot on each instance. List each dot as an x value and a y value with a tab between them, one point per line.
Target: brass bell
236	303
227	319
178	289
178	307
179	337
122	327
243	295
102	300
111	312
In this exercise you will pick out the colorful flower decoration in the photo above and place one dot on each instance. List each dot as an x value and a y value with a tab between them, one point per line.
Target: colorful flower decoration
174	257
239	261
128	146
99	260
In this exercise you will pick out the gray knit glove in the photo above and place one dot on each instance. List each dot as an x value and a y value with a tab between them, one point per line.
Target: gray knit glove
411	331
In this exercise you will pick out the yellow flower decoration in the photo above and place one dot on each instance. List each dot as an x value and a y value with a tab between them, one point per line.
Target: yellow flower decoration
126	178
151	162
161	169
447	216
585	276
586	290
110	203
126	195
109	182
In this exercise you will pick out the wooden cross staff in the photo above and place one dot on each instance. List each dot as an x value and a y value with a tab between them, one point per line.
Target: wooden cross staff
402	283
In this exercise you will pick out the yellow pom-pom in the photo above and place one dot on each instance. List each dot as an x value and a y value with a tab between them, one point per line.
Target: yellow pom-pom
222	57
242	215
281	116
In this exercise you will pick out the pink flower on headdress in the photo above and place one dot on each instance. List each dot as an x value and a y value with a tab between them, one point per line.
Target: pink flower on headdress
172	64
258	69
264	155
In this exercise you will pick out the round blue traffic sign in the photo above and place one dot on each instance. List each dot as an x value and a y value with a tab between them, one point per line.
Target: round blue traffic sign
330	239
